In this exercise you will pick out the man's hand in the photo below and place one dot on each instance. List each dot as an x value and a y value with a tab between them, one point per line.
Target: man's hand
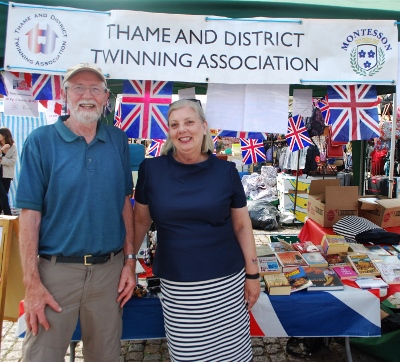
36	299
127	282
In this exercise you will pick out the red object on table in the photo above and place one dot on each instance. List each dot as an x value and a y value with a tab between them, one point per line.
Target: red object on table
311	231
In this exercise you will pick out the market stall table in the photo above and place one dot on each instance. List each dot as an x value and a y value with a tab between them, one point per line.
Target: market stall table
348	313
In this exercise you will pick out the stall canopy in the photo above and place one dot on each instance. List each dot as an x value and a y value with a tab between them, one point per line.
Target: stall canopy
332	9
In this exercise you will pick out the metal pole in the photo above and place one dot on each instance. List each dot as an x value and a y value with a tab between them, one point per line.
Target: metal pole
392	145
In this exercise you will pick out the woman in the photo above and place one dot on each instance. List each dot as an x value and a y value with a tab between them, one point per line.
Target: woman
206	256
8	158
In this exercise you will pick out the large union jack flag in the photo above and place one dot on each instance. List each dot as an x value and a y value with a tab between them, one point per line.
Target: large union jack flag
354	112
252	151
297	136
144	108
46	87
247	135
323	105
155	147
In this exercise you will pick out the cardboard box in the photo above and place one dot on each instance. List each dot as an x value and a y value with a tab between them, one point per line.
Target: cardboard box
383	212
328	202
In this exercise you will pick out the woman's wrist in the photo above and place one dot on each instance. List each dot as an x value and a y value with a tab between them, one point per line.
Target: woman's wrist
252	276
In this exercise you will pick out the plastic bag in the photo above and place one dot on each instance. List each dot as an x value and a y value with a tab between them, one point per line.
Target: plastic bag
263	215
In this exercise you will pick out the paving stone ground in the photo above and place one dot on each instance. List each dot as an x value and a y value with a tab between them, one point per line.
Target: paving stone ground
264	349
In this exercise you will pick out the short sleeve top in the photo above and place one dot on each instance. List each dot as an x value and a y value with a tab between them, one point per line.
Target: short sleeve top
191	208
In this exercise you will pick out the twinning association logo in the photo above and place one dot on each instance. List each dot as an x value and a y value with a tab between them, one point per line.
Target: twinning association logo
368	49
40	39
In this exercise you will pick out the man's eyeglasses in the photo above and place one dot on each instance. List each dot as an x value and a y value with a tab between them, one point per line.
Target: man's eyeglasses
80	90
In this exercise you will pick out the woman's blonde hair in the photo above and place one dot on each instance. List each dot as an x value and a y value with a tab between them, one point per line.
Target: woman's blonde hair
207	144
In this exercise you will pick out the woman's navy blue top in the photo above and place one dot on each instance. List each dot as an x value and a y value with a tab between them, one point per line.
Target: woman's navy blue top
191	208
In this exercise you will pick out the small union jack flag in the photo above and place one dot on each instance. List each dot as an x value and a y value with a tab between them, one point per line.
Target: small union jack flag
43	86
46	87
297	136
53	106
323	105
252	151
144	108
155	147
247	135
354	112
117	115
3	90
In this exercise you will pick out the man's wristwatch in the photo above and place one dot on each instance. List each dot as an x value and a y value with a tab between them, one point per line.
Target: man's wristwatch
130	256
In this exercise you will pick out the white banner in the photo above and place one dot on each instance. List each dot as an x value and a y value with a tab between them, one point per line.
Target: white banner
196	48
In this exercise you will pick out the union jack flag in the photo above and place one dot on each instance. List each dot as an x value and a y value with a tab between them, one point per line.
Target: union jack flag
297	136
3	90
155	147
46	87
247	135
323	105
252	151
354	112
144	108
42	86
117	115
53	106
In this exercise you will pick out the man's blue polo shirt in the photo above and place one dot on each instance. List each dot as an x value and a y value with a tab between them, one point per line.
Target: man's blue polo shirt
79	188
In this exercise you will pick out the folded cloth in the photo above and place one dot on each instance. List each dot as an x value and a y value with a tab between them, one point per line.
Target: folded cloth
378	236
350	226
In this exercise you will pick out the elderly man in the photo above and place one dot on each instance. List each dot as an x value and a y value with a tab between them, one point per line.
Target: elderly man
76	227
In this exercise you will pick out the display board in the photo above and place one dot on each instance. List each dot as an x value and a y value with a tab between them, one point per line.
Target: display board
11	286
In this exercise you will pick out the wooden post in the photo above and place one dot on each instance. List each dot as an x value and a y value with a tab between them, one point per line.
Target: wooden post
12	290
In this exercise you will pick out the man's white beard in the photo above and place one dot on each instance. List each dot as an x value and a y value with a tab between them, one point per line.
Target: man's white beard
83	116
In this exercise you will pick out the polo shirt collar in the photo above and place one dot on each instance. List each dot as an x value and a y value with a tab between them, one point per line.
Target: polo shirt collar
69	136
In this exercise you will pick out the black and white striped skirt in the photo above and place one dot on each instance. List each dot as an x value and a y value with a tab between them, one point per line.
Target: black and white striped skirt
207	320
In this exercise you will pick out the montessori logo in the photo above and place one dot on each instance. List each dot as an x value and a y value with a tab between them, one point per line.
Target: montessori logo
367	48
40	39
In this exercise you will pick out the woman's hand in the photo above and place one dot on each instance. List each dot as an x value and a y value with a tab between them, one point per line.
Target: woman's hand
5	148
251	292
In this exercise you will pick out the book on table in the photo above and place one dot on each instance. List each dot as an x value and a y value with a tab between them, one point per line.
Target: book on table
315	259
376	249
290	259
357	248
387	259
390	249
336	259
363	265
276	246
371	283
298	279
277	284
345	272
305	247
263	250
269	264
333	244
390	272
323	279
